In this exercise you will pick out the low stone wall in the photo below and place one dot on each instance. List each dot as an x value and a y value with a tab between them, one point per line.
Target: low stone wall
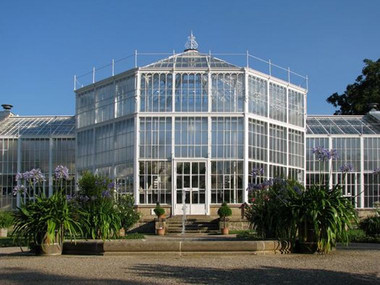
172	245
364	213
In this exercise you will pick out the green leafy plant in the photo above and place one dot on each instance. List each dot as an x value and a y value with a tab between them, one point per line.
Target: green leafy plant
128	214
224	211
40	219
96	200
323	216
270	211
158	210
371	226
6	219
46	220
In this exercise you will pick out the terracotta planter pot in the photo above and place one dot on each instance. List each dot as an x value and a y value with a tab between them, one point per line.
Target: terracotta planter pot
225	231
122	232
3	232
161	232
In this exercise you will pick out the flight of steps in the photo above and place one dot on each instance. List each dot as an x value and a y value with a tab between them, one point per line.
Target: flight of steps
194	224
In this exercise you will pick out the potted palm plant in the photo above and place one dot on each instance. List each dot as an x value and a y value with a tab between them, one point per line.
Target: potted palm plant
43	221
6	220
224	212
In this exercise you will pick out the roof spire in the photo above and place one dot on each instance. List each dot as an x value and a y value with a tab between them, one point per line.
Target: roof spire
191	43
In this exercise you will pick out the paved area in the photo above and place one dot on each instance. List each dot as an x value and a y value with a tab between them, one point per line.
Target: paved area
358	264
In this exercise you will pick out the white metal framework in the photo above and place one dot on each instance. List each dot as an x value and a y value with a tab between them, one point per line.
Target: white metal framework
194	123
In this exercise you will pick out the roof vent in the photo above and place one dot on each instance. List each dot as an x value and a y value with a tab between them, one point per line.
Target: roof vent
7	107
191	43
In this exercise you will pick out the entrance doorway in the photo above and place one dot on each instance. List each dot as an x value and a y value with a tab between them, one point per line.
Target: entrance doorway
190	188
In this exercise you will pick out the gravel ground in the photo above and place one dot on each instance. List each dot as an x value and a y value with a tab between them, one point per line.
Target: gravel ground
358	264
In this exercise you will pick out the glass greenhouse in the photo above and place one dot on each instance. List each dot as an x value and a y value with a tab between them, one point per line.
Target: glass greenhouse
187	130
34	142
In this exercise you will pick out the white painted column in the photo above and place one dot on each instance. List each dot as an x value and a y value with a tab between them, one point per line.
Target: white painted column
361	186
246	141
19	143
51	145
174	170
136	179
209	146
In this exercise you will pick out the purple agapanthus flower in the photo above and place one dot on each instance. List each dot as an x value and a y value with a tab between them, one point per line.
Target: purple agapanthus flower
69	198
34	176
324	154
376	171
18	189
347	167
111	186
106	194
61	172
257	172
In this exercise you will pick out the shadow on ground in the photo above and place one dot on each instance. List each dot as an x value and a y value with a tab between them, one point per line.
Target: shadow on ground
22	276
262	275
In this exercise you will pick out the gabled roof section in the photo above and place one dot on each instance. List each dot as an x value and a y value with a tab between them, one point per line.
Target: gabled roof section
191	59
342	125
38	126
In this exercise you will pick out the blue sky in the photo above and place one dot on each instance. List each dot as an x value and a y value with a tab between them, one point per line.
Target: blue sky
44	43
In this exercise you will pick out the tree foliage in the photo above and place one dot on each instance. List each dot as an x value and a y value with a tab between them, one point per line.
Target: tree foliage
358	97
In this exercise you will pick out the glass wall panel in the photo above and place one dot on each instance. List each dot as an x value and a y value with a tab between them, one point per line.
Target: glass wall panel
104	104
8	170
371	153
155	137
277	141
296	174
85	109
276	171
296	108
85	150
277	101
258	96
226	182
313	164
155	182
227	137
348	152
104	145
191	137
296	148
156	92
371	189
124	141
125	96
257	140
124	178
191	92
227	92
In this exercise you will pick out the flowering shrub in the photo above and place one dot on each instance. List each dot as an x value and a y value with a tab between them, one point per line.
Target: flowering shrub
96	199
270	207
42	219
282	208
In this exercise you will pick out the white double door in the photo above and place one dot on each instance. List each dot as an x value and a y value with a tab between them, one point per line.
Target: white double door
190	188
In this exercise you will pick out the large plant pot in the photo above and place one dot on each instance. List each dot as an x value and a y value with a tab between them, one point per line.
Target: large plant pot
225	231
3	232
50	248
161	217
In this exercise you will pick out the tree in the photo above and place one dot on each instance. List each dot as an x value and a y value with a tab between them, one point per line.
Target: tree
359	96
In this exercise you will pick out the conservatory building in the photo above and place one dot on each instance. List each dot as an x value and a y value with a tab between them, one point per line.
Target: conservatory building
185	131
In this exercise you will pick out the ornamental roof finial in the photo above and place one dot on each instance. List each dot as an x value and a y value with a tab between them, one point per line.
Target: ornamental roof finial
191	43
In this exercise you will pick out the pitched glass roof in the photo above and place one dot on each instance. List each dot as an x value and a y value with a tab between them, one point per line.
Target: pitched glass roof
355	125
37	126
189	60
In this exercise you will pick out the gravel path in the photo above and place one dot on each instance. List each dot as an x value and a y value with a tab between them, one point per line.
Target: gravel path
359	264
